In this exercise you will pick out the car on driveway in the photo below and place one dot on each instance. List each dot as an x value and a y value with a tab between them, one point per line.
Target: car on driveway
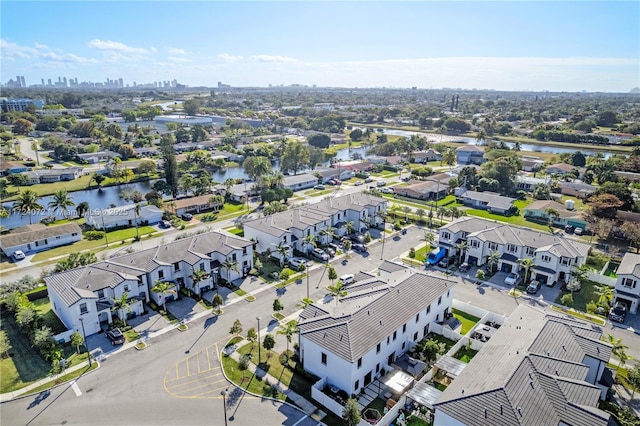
381	183
319	187
368	180
578	231
358	183
319	254
386	190
165	224
446	262
618	313
18	255
187	216
296	262
512	278
533	287
330	251
116	336
361	248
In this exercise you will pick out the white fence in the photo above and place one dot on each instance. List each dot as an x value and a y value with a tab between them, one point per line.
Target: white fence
65	336
601	279
324	399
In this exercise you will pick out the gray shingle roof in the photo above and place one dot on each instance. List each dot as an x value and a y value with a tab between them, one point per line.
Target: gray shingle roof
630	264
368	315
529	373
492	200
31	234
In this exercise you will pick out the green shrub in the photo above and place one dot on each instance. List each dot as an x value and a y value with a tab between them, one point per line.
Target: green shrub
592	308
412	253
397	225
567	299
285	274
94	235
480	274
153	305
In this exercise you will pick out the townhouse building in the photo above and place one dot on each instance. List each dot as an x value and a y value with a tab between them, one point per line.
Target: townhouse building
332	216
39	237
86	292
627	290
354	341
553	255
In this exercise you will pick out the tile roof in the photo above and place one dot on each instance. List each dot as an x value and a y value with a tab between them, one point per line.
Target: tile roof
371	311
529	373
543	205
492	200
31	234
630	265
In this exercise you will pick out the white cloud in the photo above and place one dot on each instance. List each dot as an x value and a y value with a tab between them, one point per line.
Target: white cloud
41	46
15	50
110	45
178	59
272	58
230	58
176	51
67	57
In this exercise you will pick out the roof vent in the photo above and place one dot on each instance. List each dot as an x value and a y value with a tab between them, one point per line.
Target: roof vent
564	348
325	334
501	409
520	411
485	413
463	391
531	384
380	322
557	373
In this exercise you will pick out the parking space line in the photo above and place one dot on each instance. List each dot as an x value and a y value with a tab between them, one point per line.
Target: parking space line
191	381
299	421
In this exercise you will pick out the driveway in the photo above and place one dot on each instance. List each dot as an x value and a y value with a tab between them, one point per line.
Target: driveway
185	308
498	279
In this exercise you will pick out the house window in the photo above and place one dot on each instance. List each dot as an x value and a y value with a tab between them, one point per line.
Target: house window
378	348
530	251
324	358
202	266
428	309
244	251
546	258
126	288
359	362
160	275
440	300
446	235
100	294
417	317
357	385
176	266
493	246
233	257
475	243
425	330
512	248
74	234
388	340
437	317
565	261
83	309
395	334
404	328
628	282
415	336
448	293
377	367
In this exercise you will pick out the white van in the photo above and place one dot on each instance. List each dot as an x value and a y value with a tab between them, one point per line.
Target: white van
347	279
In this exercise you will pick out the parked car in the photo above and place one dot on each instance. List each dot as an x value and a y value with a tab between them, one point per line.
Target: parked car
18	255
320	187
319	254
386	190
165	224
347	279
358	183
446	262
435	256
357	238
296	262
116	336
533	287
568	228
578	231
334	247
618	313
359	248
187	216
381	183
368	180
512	278
330	251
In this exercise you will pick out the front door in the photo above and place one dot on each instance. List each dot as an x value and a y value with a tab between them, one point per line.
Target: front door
391	358
367	378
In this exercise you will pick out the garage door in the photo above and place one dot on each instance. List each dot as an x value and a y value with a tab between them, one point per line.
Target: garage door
506	267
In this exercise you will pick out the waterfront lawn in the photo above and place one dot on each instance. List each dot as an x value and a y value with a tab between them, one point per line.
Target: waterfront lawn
84	244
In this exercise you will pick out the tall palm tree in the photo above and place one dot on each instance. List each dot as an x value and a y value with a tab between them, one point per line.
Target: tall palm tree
553	216
61	200
283	250
309	240
329	233
122	304
277	179
163	288
526	264
27	203
136	210
492	260
288	330
337	291
618	349
351	227
449	157
442	212
198	275
462	249
428	238
605	294
230	265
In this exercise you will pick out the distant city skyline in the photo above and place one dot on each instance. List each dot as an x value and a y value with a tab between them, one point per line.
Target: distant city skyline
555	46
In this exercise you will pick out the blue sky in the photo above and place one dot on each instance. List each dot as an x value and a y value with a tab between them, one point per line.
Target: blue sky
545	45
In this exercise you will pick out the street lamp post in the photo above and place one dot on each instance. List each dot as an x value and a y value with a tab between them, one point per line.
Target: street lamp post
86	344
307	265
259	342
224	405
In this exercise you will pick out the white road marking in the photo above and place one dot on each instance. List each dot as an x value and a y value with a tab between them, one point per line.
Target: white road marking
296	423
76	388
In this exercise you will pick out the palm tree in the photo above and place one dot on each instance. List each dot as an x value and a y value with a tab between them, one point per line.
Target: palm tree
61	201
442	212
605	294
406	210
449	157
136	210
553	216
309	240
329	233
199	275
351	227
277	180
288	330
230	265
428	238
98	178
462	249
27	203
283	250
492	260
454	212
526	264
618	349
337	291
482	135
163	288
228	183
122	304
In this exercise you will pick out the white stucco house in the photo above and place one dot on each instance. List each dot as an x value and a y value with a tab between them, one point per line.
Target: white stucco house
39	237
86	292
627	289
292	226
351	342
300	182
537	369
553	255
123	216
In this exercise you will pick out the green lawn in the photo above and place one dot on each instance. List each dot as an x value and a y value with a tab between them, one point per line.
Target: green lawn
441	339
43	306
464	351
84	244
421	253
247	380
467	320
515	220
587	293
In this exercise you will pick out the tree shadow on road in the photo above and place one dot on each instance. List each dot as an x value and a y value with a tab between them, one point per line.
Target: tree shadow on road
207	323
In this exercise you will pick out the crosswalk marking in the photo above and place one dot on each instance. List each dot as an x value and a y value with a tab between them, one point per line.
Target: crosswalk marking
76	388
